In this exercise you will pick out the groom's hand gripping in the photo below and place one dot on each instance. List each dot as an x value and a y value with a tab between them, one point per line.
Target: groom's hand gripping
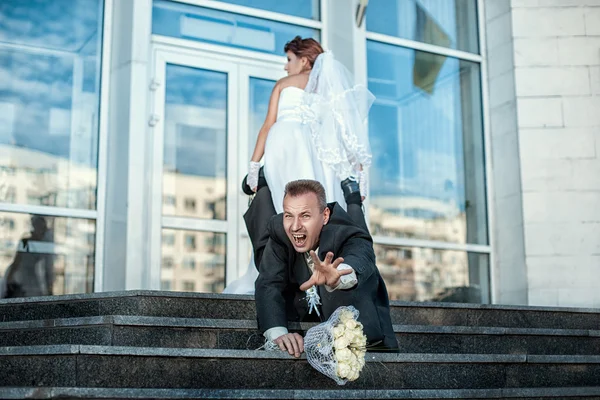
293	343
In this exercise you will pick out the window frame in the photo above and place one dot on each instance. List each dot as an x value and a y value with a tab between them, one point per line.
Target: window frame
362	35
98	215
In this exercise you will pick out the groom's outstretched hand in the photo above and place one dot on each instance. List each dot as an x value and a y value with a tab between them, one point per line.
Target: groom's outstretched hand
325	272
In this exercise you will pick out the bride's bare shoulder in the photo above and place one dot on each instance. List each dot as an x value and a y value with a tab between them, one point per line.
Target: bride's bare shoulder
299	81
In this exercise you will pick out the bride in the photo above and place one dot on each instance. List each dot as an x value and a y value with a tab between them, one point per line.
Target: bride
315	128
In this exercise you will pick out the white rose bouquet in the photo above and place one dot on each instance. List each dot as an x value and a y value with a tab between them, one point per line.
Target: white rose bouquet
337	347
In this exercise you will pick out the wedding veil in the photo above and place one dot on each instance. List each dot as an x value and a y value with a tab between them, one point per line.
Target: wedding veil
340	135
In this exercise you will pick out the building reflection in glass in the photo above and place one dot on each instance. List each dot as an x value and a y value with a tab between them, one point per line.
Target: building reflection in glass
428	174
193	261
195	143
42	255
425	274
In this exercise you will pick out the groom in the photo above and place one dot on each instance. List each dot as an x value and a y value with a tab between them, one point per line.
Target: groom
300	248
261	210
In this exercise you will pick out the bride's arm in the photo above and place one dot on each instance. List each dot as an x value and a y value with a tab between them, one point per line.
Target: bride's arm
259	149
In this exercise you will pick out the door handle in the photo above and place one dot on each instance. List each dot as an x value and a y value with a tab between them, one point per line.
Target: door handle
154	118
154	84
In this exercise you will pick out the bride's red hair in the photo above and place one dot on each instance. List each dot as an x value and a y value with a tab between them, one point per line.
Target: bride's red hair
308	48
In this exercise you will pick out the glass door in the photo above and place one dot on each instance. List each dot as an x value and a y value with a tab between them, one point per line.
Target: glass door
193	204
256	85
205	111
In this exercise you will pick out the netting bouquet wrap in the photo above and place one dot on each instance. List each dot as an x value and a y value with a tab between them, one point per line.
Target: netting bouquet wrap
337	347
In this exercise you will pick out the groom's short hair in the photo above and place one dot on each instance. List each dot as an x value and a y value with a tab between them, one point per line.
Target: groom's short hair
304	186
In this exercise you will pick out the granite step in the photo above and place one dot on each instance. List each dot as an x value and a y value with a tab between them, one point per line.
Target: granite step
258	394
201	305
131	367
142	331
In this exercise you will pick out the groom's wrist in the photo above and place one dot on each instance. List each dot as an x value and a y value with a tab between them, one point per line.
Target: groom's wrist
334	285
344	281
275	332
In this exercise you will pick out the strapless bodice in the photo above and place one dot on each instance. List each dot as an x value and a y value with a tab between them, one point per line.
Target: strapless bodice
292	106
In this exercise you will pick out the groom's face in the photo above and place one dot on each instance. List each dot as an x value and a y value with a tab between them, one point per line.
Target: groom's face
303	220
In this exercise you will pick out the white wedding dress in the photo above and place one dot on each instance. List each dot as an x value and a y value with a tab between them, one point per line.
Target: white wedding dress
290	155
320	133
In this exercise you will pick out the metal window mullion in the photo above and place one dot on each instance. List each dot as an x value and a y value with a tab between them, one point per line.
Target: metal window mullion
412	44
232	134
432	244
36	49
156	132
323	15
243	131
487	145
255	12
191	47
193	224
49	211
102	155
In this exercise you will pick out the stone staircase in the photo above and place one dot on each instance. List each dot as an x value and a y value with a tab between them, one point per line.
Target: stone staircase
165	345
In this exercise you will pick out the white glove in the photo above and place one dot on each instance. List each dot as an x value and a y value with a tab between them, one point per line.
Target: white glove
252	179
363	182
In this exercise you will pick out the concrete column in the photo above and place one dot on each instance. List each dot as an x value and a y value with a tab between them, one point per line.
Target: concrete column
510	270
127	224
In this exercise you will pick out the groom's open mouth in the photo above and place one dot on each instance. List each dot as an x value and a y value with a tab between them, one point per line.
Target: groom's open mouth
299	239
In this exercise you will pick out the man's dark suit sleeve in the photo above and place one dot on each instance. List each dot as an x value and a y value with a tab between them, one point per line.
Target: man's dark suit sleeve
272	281
358	253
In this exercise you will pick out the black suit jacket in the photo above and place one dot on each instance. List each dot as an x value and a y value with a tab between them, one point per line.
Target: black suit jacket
282	270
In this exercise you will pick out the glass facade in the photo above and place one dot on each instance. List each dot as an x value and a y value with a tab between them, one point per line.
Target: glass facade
428	183
427	203
195	143
224	28
50	54
193	261
42	255
300	8
444	23
427	274
49	100
426	126
260	93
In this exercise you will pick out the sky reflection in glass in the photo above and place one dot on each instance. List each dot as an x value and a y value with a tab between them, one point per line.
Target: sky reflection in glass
445	23
224	28
427	141
195	141
298	8
49	100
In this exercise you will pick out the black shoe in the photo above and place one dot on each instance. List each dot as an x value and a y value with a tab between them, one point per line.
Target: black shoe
262	182
351	191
